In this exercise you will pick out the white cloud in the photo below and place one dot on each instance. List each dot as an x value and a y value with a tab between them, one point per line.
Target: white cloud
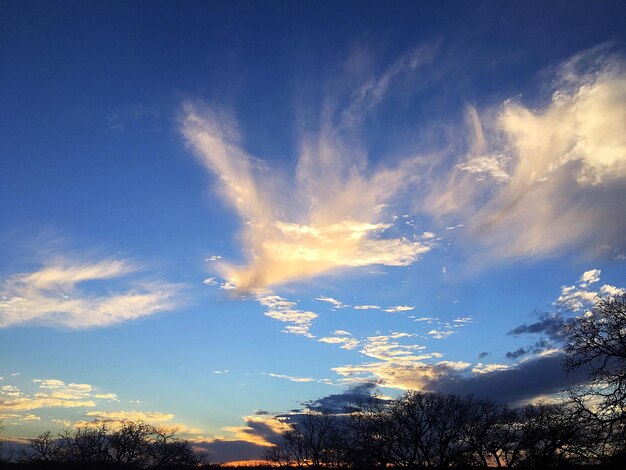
209	281
424	319
149	417
590	277
55	296
491	165
441	334
463	320
286	311
51	393
292	378
342	333
399	308
612	290
335	303
366	307
346	342
581	296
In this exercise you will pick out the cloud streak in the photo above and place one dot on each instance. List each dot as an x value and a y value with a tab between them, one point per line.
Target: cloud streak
55	296
329	214
538	182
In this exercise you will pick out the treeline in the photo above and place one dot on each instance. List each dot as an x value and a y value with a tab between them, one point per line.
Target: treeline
133	445
429	430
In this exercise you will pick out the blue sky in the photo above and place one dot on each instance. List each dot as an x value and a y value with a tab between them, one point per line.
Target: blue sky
214	208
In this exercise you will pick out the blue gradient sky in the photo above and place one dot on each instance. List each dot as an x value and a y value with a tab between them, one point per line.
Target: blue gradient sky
195	196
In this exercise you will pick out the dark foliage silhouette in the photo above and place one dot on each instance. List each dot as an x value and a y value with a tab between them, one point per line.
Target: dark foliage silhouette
133	445
597	341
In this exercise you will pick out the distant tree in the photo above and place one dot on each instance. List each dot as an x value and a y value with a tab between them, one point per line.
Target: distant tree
1	440
597	340
430	429
276	455
484	432
548	435
167	450
373	435
315	441
130	445
43	448
88	444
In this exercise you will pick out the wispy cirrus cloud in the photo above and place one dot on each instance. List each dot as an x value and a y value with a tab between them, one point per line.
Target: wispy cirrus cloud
539	181
56	295
292	378
399	308
334	302
346	342
330	213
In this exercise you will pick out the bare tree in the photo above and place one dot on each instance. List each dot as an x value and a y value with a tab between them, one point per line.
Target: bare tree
43	448
1	440
130	445
315	440
430	428
167	449
484	432
597	341
373	434
87	444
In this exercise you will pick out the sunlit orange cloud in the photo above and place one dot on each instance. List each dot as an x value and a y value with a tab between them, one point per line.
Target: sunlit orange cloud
52	393
330	213
531	182
257	429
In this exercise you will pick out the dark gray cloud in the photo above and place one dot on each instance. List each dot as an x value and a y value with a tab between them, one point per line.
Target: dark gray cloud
549	324
483	354
338	403
549	327
225	451
519	352
260	429
536	348
539	376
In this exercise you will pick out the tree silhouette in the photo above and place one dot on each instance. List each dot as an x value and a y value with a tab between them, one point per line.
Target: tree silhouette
315	441
597	341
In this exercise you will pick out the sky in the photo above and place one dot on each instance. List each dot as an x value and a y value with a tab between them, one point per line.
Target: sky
217	214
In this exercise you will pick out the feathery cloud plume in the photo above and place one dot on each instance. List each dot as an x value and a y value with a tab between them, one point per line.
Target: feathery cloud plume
55	296
537	182
330	214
